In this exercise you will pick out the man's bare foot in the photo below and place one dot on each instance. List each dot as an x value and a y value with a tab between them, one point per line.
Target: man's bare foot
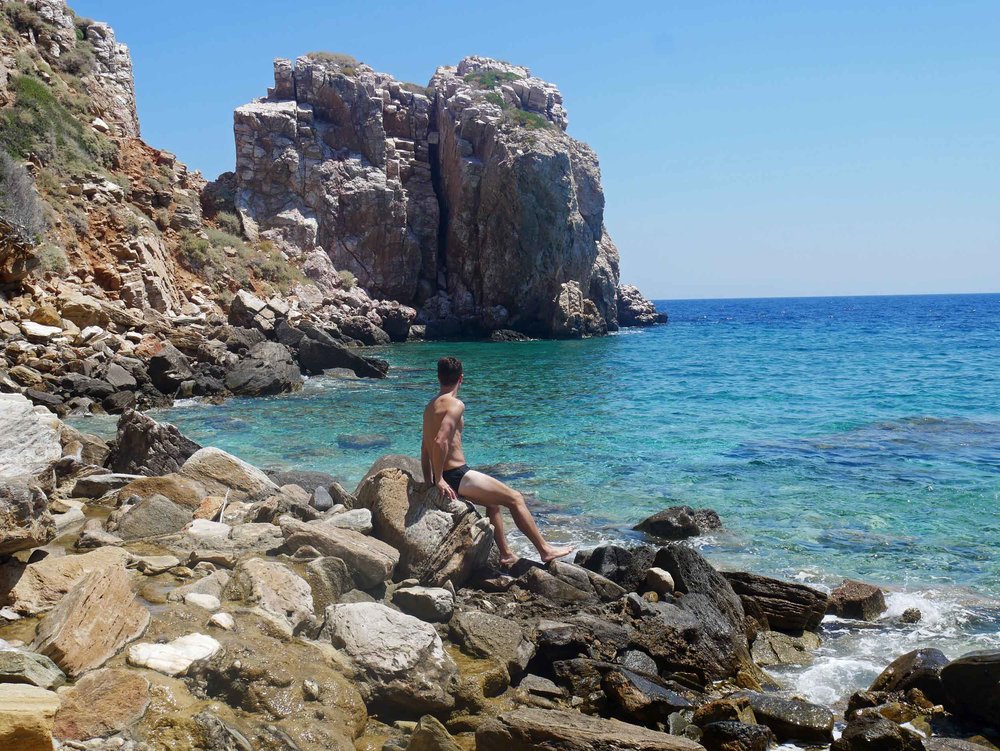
506	561
552	553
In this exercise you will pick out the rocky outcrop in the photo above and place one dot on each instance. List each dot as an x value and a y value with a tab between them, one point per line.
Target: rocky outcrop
466	198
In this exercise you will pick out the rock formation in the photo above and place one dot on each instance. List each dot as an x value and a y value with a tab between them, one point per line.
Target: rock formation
467	199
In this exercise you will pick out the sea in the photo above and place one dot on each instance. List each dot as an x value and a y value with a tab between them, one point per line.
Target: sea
837	437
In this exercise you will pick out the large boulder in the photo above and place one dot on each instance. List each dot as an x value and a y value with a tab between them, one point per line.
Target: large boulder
870	731
857	600
528	729
437	541
489	636
267	369
169	368
273	589
400	660
787	606
972	685
626	567
151	517
29	437
25	521
409	464
101	703
224	475
27	714
680	522
34	588
319	351
919	669
92	623
144	446
636	310
792	719
370	561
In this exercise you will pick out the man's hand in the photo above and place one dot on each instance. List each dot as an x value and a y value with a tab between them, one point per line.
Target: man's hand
447	491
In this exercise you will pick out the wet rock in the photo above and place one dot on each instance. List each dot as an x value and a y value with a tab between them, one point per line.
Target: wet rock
329	578
371	561
736	736
168	369
323	353
530	729
626	567
787	606
484	635
36	587
639	699
17	666
432	604
857	600
91	624
437	542
223	474
431	735
267	369
680	522
212	585
792	719
27	714
733	708
151	517
869	731
919	669
972	685
102	703
29	437
273	589
25	521
911	615
400	660
363	441
775	648
175	657
146	447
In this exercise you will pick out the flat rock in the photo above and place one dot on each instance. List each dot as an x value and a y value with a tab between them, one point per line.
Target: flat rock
400	660
151	517
432	604
792	719
203	601
178	489
787	606
27	714
776	648
101	703
175	657
359	519
95	486
36	587
221	473
857	600
529	729
89	626
18	666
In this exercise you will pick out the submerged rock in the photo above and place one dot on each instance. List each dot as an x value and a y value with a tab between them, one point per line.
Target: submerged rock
680	522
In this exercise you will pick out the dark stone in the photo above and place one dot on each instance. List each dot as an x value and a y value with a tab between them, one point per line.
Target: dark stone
542	583
787	606
146	447
484	635
119	402
239	339
396	322
287	334
857	600
792	719
168	369
626	567
680	522
120	377
920	669
636	698
366	332
870	731
323	353
732	735
81	385
638	662
364	441
972	685
44	399
268	369
508	335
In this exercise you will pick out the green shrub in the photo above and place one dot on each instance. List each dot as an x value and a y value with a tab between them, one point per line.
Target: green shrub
228	223
52	259
490	79
78	61
495	97
19	204
416	88
347	279
199	255
40	124
219	238
530	120
273	267
23	18
334	58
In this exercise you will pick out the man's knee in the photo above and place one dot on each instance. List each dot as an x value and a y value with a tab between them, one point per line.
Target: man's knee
515	499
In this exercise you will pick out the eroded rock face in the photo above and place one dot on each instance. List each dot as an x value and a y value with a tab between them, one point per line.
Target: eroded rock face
466	199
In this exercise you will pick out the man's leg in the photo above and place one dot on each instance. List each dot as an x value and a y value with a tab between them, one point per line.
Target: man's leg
487	491
507	556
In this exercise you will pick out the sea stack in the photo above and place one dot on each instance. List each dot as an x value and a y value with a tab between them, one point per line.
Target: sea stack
466	199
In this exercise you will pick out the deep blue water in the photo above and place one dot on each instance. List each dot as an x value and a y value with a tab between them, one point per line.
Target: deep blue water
836	437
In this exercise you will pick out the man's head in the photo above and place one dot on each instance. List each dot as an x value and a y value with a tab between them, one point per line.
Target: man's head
449	371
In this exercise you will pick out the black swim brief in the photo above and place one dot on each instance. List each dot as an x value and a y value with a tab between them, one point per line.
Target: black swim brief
454	476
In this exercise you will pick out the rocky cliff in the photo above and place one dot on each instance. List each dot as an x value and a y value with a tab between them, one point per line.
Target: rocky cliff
466	199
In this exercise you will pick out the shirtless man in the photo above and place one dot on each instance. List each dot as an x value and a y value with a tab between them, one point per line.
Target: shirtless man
444	466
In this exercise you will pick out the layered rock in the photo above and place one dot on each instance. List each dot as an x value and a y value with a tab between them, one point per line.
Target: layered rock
467	198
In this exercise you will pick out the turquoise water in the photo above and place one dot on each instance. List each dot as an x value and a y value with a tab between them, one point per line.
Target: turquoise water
835	436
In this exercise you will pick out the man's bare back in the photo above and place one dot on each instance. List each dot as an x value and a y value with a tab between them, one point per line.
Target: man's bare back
444	466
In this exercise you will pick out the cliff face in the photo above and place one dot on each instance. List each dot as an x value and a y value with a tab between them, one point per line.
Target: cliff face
467	199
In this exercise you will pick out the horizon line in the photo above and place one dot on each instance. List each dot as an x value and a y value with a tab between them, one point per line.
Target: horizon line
826	297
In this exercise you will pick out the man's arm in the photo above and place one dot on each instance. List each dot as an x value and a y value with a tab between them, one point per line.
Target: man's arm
425	464
442	447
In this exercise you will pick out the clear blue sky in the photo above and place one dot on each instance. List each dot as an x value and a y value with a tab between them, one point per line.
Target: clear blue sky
751	148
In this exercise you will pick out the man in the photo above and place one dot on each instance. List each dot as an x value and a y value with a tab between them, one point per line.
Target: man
444	466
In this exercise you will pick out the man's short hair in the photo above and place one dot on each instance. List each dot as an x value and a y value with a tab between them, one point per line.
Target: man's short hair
449	370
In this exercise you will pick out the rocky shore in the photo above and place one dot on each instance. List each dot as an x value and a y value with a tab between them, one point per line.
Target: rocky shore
157	594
